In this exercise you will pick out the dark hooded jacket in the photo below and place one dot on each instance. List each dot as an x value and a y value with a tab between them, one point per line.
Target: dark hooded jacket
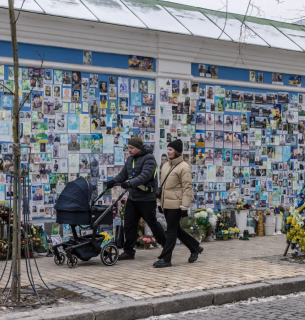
144	168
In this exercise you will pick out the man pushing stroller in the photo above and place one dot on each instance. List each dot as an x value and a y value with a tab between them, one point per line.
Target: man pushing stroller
139	176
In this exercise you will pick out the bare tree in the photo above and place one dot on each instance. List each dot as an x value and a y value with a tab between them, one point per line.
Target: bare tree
17	153
16	245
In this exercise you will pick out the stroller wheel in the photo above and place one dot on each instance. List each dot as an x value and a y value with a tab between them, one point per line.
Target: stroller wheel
61	260
110	254
73	262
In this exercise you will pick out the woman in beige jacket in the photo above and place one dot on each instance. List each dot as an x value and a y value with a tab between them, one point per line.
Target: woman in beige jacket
175	201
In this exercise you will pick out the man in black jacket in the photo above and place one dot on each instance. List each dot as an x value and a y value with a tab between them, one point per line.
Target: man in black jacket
139	176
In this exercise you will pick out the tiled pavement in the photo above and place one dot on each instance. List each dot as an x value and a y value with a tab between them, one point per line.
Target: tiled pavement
222	264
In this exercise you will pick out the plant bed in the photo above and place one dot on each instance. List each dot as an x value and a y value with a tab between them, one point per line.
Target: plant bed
28	297
296	259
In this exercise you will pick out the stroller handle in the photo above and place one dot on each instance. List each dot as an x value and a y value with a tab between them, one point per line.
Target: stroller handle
95	224
99	197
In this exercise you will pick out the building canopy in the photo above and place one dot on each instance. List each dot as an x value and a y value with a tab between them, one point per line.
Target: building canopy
174	18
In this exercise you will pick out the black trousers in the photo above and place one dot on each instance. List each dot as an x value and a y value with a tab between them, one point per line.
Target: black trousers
173	232
133	212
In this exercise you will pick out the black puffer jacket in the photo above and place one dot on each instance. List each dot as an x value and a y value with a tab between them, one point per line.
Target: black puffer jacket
145	166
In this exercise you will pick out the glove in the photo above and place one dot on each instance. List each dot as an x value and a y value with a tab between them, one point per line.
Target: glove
125	185
184	213
110	184
160	209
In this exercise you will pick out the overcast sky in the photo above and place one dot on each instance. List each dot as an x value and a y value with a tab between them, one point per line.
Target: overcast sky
270	9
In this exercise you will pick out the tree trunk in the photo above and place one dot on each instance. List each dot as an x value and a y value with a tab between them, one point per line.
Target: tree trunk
16	147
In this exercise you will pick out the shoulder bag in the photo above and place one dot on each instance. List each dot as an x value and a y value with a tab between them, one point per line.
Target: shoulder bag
158	193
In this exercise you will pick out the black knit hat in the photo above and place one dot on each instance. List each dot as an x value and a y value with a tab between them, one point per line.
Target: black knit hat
136	142
177	145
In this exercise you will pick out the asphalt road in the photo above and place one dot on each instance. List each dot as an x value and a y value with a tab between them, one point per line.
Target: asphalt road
291	307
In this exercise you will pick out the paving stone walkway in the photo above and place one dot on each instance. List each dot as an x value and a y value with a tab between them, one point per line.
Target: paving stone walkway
222	264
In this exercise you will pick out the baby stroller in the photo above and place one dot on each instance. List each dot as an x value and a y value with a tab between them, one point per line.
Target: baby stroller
73	208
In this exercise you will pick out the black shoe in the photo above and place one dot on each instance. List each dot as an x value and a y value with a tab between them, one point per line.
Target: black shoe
194	255
125	256
162	264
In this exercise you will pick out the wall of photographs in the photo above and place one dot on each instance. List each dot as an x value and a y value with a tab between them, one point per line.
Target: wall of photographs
246	140
77	124
237	74
239	140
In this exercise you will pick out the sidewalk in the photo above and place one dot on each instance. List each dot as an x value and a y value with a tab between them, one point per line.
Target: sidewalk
222	264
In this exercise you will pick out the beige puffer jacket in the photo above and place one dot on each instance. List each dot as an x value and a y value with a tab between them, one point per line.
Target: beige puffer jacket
177	189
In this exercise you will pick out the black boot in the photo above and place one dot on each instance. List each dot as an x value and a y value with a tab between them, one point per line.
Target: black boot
125	256
194	255
162	264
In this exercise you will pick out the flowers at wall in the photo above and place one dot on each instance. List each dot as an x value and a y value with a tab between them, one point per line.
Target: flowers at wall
147	239
4	249
31	236
189	225
4	215
205	218
295	227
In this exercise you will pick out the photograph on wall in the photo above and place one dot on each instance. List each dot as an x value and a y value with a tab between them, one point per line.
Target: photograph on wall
135	63
201	70
87	58
210	94
123	85
147	64
175	88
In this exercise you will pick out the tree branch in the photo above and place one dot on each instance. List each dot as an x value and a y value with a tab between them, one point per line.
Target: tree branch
19	11
243	33
223	29
8	89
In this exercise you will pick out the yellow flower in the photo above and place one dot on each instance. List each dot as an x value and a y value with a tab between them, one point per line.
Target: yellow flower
294	221
297	227
289	220
107	236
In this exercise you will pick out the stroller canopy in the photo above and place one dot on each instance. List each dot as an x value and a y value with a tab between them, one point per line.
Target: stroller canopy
76	196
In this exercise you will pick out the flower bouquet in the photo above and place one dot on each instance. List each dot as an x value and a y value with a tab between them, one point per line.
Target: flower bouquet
296	231
242	205
205	218
295	224
4	248
147	240
225	234
189	225
234	232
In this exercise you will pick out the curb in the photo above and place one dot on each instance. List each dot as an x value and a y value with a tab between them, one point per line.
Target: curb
166	305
